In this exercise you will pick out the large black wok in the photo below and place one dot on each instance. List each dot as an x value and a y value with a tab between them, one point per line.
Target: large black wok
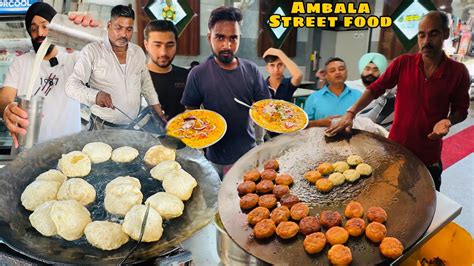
400	184
17	233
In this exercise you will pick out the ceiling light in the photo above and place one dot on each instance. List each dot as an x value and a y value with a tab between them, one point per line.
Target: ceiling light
442	7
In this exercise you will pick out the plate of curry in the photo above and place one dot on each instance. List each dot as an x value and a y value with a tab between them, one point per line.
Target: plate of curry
278	116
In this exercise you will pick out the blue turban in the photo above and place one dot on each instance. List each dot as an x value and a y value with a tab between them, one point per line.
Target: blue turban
378	59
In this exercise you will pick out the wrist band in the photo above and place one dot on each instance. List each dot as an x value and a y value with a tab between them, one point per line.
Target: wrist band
351	112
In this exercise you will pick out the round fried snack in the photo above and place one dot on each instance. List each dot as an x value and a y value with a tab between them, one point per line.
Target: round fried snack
249	201
325	168
271	164
377	214
246	187
340	255
268	201
355	226
391	247
354	210
375	232
284	179
324	185
299	211
351	175
312	176
329	219
280	191
314	242
265	186
337	178
252	175
337	235
264	229
340	166
289	200
287	230
309	225
364	169
354	160
257	215
268	174
280	214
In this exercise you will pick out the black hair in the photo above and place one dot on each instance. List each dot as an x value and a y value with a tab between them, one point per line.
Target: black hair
194	63
122	11
333	59
224	13
270	59
161	26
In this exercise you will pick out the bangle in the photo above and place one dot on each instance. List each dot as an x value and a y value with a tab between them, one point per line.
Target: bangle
351	112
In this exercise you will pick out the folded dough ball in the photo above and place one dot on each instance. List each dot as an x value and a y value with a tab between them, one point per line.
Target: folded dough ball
351	175
337	178
70	218
354	160
75	164
38	192
98	152
52	175
159	153
364	169
121	194
163	168
340	166
105	235
124	154
77	189
167	205
41	220
132	224
179	183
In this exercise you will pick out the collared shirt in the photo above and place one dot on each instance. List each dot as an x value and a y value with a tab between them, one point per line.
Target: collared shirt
99	67
284	91
422	102
324	103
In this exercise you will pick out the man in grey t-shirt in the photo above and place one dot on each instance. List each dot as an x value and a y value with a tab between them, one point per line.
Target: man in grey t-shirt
221	78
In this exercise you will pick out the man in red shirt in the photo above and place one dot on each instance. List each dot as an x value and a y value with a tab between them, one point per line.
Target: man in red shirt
432	95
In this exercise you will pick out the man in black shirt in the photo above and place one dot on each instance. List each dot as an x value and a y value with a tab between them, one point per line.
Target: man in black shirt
161	37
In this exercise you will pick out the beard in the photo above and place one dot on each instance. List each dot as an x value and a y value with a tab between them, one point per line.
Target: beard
37	43
369	79
164	65
225	56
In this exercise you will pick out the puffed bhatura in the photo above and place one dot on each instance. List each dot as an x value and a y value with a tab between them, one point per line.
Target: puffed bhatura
309	225
264	186
354	160
284	179
163	168
167	205
377	214
289	200
77	189
280	214
252	175
364	169
337	178
340	255
158	153
314	242
268	201
351	175
257	215
124	154
287	230
337	235
299	211
121	194
329	219
280	191
70	218
340	166
391	247
105	235
179	183
75	164
41	220
249	201
325	168
355	226
271	164
264	229
375	232
132	224
98	152
52	175
324	185
268	174
39	192
246	187
312	176
354	210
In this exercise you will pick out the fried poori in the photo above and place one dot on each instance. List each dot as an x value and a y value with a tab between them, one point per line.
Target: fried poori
351	175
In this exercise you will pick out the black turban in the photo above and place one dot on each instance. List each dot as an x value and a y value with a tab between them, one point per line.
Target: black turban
39	9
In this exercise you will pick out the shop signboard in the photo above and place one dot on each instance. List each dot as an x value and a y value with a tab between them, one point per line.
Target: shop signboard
177	11
15	7
279	34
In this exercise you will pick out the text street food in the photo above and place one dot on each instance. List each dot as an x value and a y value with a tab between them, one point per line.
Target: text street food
278	116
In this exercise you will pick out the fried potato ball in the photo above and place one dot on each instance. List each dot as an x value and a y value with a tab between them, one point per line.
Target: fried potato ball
249	201
391	247
364	169
355	226
354	210
252	175
314	242
351	175
287	230
299	211
265	186
329	219
280	191
375	232
377	214
340	255
268	201
246	187
354	160
337	235
269	174
284	179
312	176
257	215
264	229
324	185
325	168
271	164
280	214
337	178
289	200
309	225
340	166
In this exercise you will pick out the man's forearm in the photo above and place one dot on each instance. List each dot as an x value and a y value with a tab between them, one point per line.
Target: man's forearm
7	96
319	123
294	70
363	101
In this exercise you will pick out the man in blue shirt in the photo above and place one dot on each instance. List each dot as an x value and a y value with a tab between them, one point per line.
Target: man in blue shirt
334	98
221	78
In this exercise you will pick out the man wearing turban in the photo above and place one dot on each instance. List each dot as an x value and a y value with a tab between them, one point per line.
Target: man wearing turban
371	67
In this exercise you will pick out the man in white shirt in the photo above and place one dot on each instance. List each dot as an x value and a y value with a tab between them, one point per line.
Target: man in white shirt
61	114
112	74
